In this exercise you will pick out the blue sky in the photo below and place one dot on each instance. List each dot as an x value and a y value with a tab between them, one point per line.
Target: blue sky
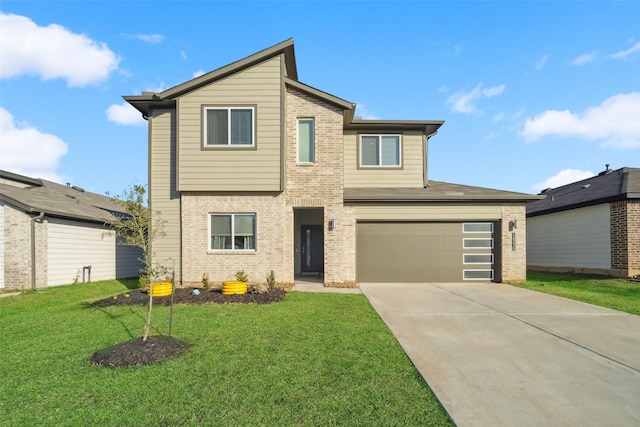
533	94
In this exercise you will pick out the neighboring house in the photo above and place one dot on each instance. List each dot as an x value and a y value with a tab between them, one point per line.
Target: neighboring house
590	226
52	234
254	170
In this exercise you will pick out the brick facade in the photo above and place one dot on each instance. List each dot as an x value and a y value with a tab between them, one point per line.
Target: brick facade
17	256
625	238
514	259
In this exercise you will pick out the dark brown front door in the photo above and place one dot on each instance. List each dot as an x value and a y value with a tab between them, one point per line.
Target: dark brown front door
312	252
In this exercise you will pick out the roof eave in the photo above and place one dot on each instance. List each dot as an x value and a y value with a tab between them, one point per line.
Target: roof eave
479	198
426	126
327	97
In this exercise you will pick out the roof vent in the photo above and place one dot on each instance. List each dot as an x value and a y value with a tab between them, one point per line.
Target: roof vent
546	190
606	171
80	189
586	186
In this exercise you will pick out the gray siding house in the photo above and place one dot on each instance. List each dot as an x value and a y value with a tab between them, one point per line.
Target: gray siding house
254	170
52	234
589	226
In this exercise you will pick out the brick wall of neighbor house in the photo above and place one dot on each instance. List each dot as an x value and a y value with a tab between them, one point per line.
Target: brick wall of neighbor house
17	254
222	266
514	262
625	238
319	185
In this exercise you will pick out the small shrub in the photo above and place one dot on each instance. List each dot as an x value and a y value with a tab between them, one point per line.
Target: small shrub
77	278
271	280
205	281
241	276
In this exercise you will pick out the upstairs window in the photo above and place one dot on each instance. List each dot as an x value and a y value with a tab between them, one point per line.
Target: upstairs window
380	151
232	232
228	126
306	141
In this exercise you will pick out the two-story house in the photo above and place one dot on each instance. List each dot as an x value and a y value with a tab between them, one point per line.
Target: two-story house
253	170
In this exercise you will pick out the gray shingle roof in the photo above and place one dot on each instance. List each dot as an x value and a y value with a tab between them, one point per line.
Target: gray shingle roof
608	186
40	195
436	191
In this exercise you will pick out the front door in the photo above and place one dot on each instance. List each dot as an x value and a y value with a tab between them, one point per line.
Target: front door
312	252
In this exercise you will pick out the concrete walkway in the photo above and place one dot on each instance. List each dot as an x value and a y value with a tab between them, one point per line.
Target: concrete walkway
497	355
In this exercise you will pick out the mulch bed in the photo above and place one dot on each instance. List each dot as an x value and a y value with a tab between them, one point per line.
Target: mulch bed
137	352
185	296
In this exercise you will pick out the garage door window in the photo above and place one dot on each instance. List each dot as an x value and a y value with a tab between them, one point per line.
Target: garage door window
478	258
479	274
477	227
472	243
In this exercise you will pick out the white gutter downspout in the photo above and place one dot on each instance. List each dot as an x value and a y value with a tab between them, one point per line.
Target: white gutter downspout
33	248
425	141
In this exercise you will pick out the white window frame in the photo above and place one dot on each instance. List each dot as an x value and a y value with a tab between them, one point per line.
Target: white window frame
228	109
313	151
464	240
466	232
232	215
468	263
380	135
478	269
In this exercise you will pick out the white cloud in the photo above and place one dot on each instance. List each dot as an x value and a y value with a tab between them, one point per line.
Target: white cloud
361	111
52	52
564	177
198	73
147	38
614	123
584	59
498	117
19	142
183	54
540	63
462	102
624	54
124	114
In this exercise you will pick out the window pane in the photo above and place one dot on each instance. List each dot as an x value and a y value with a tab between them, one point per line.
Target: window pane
478	258
306	141
369	151
478	274
241	128
390	150
478	243
217	127
244	226
477	227
220	231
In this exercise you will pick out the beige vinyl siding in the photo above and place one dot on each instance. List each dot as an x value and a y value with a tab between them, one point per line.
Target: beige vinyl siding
73	245
1	244
233	169
430	212
163	197
410	175
579	238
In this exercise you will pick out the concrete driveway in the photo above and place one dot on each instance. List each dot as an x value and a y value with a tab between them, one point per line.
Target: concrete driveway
497	355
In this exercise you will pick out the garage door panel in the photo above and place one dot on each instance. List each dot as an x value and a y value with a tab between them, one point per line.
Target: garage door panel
413	252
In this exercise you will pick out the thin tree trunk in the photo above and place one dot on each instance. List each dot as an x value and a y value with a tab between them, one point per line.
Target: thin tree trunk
147	324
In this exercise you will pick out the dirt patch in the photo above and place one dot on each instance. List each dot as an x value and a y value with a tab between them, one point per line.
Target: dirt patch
188	296
138	353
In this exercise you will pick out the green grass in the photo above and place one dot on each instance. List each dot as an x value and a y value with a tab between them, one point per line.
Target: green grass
618	294
312	359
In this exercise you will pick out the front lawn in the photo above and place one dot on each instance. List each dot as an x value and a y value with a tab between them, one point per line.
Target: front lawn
311	359
618	294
